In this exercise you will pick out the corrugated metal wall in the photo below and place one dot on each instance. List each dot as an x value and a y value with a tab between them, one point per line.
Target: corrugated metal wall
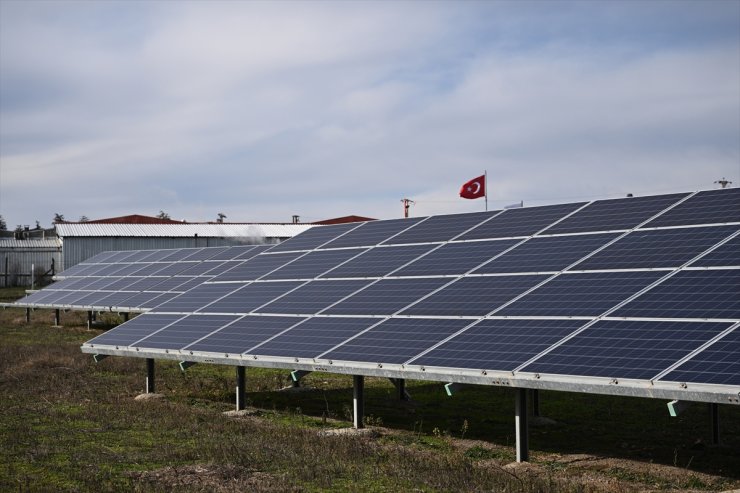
77	249
17	257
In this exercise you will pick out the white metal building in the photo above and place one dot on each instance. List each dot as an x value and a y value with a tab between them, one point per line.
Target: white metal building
83	240
19	257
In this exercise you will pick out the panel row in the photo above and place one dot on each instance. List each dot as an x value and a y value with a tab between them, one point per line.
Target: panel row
607	348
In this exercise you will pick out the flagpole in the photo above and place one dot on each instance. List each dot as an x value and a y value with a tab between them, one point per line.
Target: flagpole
485	186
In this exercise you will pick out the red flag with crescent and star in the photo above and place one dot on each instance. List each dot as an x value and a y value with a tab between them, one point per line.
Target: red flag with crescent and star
474	189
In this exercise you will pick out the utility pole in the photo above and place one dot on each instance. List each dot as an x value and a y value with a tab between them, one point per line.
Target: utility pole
407	203
723	182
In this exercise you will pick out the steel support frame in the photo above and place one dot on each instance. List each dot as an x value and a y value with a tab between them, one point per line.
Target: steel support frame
358	401
241	388
521	426
57	317
714	421
149	375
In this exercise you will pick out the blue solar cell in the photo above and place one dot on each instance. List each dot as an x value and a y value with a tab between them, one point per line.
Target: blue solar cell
157	255
520	222
441	228
185	331
690	294
169	284
455	258
39	296
379	261
626	349
387	296
218	268
209	253
257	267
118	299
199	268
253	252
708	207
716	364
230	253
189	284
179	254
314	237
499	345
615	214
725	256
581	295
314	336
474	296
75	270
543	254
243	334
144	283
313	297
197	297
372	233
135	329
313	264
170	269
656	248
148	300
249	297
396	340
97	283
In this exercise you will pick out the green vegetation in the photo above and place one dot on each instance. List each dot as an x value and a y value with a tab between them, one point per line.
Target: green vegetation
68	424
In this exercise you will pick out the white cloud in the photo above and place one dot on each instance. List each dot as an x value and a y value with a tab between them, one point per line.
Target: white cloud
264	110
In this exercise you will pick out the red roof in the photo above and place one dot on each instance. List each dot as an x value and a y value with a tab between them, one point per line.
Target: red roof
134	219
345	219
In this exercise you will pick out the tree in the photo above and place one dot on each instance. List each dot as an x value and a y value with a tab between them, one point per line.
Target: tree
3	224
18	232
84	219
38	225
221	217
58	218
163	215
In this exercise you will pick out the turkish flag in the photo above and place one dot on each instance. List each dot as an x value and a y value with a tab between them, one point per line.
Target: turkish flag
474	189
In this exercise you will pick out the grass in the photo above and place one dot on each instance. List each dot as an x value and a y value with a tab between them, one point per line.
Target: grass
68	424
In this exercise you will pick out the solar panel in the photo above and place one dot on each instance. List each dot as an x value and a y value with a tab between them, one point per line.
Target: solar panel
314	336
581	295
520	222
626	349
386	296
185	331
615	214
474	296
656	248
250	297
708	207
455	258
396	340
498	344
708	294
725	256
313	297
544	254
717	364
313	238
372	233
257	267
134	330
242	335
441	228
313	264
379	262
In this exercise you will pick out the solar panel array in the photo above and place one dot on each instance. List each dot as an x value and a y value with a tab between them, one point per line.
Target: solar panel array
137	280
637	289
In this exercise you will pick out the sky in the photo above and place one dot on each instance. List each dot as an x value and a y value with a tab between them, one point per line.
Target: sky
265	110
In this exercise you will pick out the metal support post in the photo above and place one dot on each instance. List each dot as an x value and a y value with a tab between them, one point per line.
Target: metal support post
521	426
149	375
536	403
28	315
184	365
125	316
295	377
241	389
57	317
400	384
359	400
714	416
89	319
